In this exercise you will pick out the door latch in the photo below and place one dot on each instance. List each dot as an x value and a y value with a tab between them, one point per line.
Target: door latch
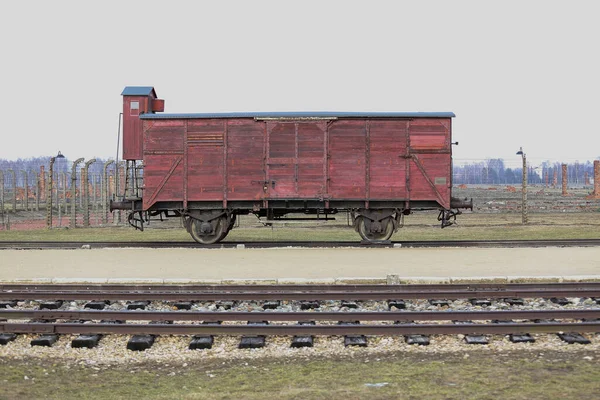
265	184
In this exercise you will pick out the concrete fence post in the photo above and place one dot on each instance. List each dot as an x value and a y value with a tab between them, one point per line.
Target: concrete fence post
74	192
42	176
105	191
596	178
14	189
85	191
564	179
62	178
119	178
26	190
49	196
586	179
36	179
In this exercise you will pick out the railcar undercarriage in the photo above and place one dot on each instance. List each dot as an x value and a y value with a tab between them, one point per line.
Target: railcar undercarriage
209	226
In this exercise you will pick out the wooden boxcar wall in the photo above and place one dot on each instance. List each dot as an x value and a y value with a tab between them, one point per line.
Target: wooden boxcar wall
248	160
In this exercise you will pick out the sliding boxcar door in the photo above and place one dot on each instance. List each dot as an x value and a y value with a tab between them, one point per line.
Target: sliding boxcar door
387	163
431	160
311	161
296	159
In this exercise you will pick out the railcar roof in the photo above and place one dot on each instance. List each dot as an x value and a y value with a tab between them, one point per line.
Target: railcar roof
138	91
303	114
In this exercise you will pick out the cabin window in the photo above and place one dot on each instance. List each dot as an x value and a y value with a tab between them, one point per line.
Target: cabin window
134	108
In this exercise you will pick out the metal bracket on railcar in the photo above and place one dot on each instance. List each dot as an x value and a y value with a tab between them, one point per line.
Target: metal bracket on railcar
448	217
137	219
137	223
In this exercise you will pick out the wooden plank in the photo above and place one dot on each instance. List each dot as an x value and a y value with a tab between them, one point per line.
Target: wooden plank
347	143
245	159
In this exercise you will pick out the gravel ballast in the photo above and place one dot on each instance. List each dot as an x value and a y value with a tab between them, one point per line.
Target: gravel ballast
112	349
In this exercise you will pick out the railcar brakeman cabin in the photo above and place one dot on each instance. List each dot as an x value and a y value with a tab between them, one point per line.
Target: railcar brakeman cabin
209	168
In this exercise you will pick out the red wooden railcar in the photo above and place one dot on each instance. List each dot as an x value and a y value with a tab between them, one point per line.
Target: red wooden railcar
209	168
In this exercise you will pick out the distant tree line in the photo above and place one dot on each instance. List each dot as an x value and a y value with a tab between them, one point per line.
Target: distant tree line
494	172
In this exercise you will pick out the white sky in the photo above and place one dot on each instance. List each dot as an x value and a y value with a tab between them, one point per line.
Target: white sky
515	73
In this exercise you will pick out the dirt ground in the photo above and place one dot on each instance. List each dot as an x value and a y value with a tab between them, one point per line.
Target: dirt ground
289	263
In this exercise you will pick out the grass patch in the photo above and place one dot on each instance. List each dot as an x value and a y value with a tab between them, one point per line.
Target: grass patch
400	376
420	226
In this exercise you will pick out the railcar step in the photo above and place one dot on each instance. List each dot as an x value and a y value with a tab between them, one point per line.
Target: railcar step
561	301
138	305
97	305
476	339
309	305
6	338
574	337
201	342
421	340
45	340
399	304
51	305
521	338
140	342
86	341
303	340
8	303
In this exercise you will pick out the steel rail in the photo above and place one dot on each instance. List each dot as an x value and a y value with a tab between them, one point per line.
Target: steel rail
293	287
307	244
288	330
293	295
214	316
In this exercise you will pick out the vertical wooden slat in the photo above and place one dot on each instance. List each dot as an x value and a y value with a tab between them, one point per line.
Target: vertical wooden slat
326	164
226	128
367	163
185	165
296	157
267	137
407	163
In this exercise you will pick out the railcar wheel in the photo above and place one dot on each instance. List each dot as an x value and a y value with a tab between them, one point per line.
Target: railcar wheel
207	232
229	228
365	231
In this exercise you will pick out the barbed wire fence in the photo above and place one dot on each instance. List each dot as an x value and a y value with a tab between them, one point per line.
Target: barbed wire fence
61	194
56	193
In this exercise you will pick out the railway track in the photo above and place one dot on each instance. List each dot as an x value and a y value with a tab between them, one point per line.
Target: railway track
21	245
296	292
53	319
